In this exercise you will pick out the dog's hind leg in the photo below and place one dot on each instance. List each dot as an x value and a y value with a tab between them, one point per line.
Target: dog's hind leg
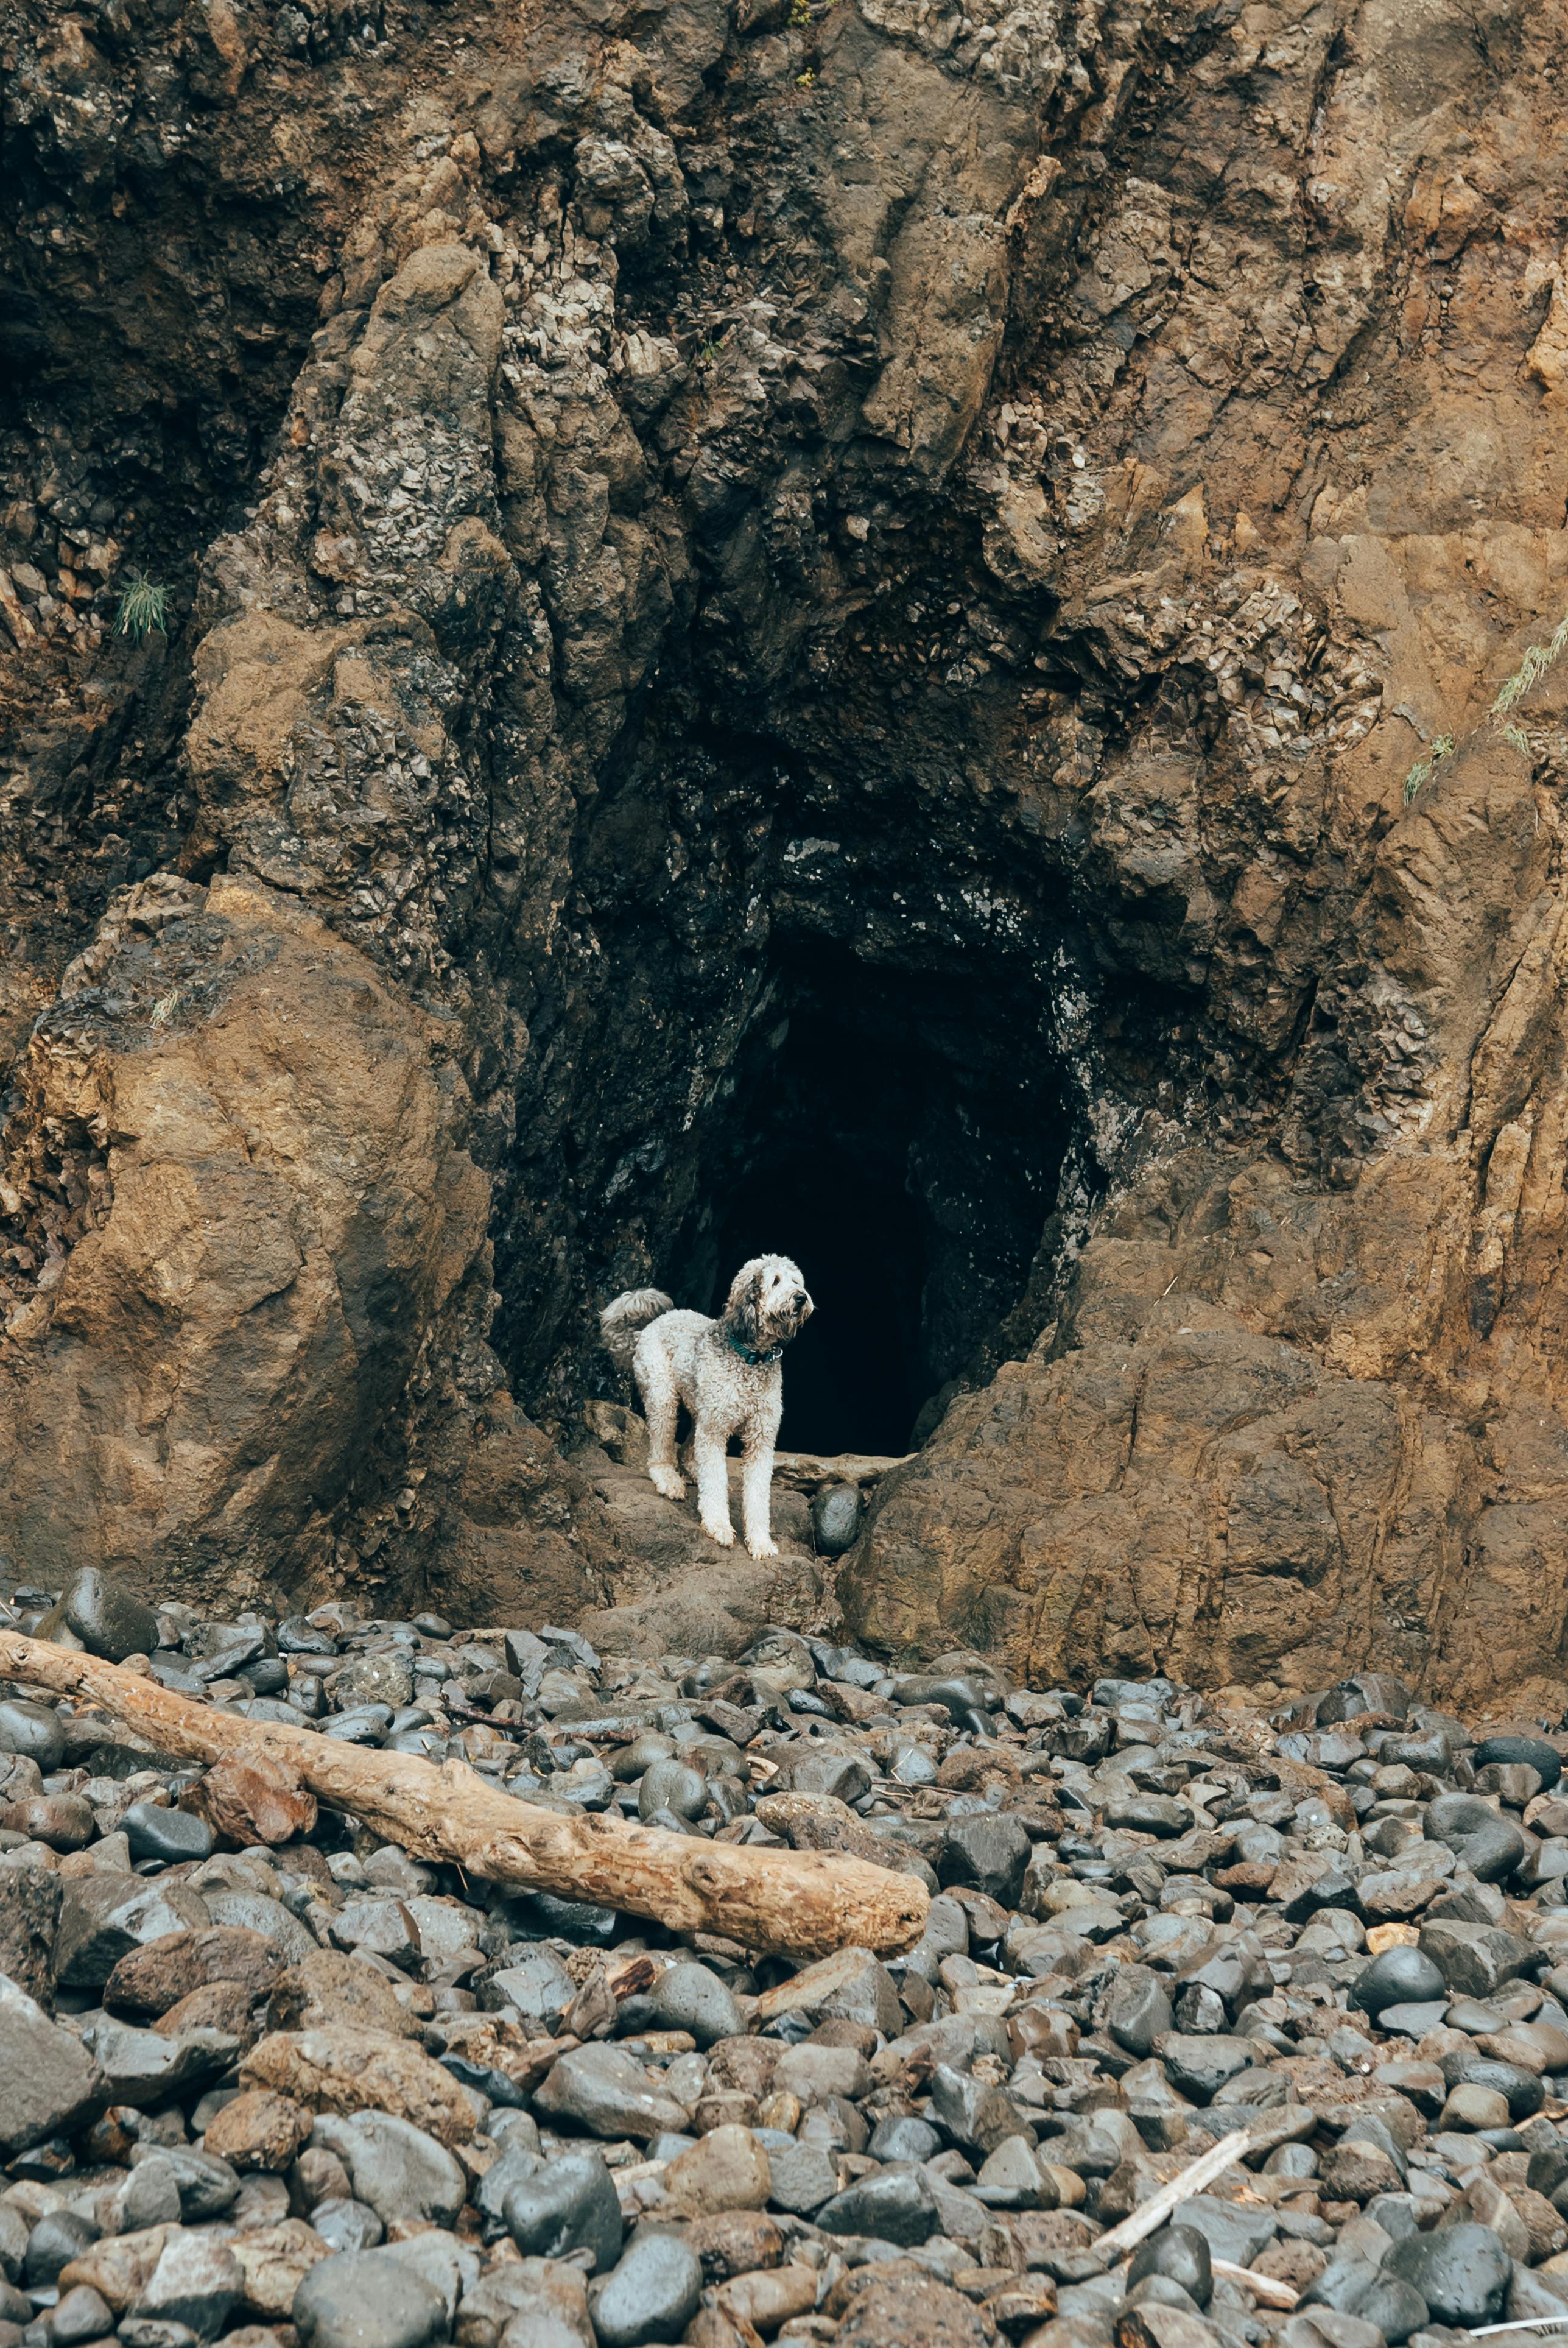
713	1484
655	1374
756	1491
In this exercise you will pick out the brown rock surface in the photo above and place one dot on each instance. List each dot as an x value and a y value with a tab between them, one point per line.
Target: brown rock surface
325	1990
964	617
274	2260
259	2131
248	1802
226	2005
339	2068
906	2308
158	1975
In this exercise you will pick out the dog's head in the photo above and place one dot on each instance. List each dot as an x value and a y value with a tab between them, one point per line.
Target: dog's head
767	1303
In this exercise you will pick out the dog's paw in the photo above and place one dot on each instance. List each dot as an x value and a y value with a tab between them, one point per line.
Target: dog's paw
763	1548
723	1534
666	1480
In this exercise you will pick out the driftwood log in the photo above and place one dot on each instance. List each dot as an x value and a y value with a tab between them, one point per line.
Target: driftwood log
794	1903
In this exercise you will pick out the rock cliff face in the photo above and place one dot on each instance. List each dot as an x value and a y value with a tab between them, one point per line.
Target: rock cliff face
936	628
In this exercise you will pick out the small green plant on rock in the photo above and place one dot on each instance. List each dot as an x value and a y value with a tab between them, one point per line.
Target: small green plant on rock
1531	668
1421	772
143	608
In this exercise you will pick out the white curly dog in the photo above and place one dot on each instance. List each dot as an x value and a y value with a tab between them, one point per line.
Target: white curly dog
727	1374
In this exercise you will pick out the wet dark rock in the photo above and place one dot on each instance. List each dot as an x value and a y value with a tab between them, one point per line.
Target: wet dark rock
1182	2254
568	2204
1393	2306
1532	1750
155	1831
1463	2273
1400	1976
987	1852
108	1616
845	1776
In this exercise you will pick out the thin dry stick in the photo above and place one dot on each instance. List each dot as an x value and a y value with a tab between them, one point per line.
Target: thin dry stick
1153	2212
797	1903
1267	2288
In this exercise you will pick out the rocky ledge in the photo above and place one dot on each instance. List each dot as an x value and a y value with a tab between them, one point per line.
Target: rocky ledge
270	2080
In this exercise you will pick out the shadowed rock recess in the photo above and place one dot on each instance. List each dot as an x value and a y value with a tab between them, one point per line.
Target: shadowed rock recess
924	639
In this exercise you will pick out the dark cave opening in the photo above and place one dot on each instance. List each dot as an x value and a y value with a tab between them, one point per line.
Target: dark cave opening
901	1134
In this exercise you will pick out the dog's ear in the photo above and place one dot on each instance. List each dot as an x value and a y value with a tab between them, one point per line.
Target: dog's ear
743	1308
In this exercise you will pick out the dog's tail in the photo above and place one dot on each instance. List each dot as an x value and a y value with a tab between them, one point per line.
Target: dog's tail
626	1316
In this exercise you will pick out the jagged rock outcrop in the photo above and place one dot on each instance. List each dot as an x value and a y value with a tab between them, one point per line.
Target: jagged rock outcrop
932	593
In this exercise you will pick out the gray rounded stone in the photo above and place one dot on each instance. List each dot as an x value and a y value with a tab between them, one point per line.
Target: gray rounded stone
31	1730
345	2225
835	1515
78	2315
366	2298
904	2136
671	1785
690	1997
651	2295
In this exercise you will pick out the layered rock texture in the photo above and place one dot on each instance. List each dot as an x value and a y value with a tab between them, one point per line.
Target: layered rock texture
968	601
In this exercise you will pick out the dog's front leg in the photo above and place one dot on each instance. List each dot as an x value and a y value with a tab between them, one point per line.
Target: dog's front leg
661	1408
713	1484
756	1492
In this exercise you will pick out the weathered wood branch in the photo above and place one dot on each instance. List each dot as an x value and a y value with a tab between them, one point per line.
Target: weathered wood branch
796	1903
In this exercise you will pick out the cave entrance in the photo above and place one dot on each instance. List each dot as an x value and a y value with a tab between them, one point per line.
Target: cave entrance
900	1134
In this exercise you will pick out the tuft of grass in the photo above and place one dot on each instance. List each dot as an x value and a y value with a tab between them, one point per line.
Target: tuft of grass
1423	770
1534	666
143	608
163	1010
1531	668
